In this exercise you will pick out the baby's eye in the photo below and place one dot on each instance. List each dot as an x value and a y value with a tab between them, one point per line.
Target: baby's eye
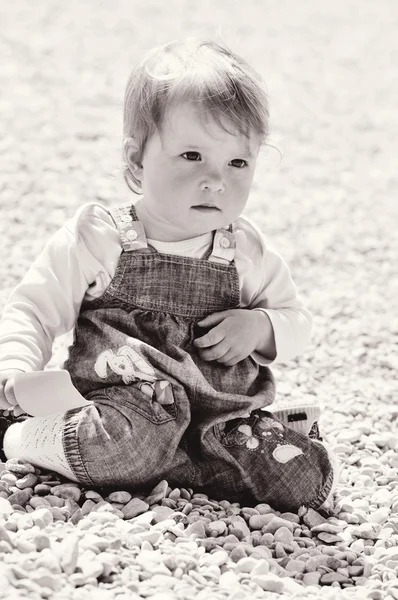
240	163
192	156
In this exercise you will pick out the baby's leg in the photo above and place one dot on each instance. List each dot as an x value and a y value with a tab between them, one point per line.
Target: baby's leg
261	459
38	440
124	437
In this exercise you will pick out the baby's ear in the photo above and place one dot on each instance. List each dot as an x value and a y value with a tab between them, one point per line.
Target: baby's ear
131	149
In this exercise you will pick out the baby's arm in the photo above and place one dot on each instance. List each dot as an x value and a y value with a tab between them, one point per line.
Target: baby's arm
47	301
269	289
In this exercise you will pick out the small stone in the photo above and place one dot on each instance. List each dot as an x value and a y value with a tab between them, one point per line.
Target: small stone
245	565
326	528
329	578
175	494
161	513
41	489
228	580
220	557
217	528
380	515
122	497
5	507
197	529
18	466
295	566
90	567
355	570
48	560
261	567
55	501
67	491
367	531
69	552
349	436
39	502
21	497
257	522
312	518
382	497
5	547
44	514
284	535
279	550
88	507
357	546
288	516
330	538
275	524
311	578
41	541
264	508
158	493
28	480
45	580
238	553
239	526
5	536
134	507
92	495
25	546
269	583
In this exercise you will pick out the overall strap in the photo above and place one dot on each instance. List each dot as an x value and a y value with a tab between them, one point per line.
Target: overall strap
132	234
224	246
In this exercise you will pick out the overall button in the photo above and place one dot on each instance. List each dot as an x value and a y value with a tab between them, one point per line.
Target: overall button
224	242
131	234
126	218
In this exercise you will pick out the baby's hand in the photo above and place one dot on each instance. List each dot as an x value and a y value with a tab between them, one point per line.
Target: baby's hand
237	334
7	396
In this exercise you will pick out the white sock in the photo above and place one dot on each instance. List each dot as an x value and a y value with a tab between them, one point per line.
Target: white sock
38	440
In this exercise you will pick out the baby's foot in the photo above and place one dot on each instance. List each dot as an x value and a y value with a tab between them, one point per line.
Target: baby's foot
302	417
7	419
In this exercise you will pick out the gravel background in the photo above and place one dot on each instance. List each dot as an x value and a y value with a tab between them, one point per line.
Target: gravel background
329	205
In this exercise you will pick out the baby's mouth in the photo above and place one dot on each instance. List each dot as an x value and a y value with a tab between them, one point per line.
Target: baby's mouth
206	208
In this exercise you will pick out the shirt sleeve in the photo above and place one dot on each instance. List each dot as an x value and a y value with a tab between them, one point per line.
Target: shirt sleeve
47	301
267	285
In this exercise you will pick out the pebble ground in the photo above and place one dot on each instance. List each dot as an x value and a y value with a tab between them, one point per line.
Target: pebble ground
329	206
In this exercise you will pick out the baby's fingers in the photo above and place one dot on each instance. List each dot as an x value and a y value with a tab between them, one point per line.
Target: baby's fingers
17	410
211	338
4	405
9	392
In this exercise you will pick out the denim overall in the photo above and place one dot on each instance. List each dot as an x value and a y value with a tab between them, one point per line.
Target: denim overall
161	412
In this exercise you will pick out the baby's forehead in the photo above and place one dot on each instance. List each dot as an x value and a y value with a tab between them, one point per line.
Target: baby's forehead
188	123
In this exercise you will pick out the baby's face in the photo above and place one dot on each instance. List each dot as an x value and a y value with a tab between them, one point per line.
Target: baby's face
196	177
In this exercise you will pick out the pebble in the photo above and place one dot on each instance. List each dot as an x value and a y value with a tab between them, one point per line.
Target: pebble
134	507
67	491
275	523
19	467
269	583
161	513
367	531
158	493
284	535
122	497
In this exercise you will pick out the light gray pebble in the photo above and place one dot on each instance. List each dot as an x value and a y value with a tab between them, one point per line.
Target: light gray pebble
134	507
120	497
19	467
27	481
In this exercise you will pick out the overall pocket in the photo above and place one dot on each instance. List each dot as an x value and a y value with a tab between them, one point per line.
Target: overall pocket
154	401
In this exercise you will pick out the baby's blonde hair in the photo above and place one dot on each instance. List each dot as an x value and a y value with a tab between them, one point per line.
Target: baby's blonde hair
193	70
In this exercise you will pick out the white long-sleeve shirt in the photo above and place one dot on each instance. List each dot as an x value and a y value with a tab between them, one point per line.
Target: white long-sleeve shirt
80	260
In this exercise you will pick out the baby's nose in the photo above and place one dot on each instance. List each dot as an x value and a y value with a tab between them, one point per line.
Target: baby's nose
212	183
